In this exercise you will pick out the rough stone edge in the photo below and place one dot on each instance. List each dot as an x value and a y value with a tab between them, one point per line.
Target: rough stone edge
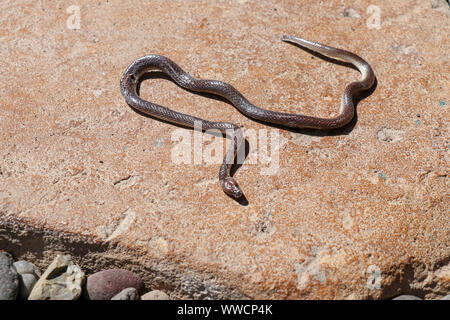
41	245
418	279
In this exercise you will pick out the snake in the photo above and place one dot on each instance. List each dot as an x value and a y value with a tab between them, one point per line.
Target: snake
135	71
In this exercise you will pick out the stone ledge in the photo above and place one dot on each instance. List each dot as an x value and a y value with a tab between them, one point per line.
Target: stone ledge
41	246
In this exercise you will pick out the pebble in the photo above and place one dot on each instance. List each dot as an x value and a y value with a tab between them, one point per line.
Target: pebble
155	295
61	281
351	13
447	297
127	294
104	285
406	297
29	274
9	278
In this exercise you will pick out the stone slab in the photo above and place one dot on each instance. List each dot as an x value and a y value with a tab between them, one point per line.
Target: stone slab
361	212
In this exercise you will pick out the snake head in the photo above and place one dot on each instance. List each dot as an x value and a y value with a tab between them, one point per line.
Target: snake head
231	188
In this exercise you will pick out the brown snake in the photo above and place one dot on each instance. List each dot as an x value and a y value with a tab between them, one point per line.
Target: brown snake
130	79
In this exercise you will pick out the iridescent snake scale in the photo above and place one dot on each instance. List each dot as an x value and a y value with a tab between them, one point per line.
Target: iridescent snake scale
131	77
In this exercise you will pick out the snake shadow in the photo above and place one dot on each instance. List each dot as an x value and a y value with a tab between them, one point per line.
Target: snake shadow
357	98
345	130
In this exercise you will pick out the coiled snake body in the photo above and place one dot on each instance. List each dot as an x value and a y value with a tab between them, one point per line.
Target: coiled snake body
130	80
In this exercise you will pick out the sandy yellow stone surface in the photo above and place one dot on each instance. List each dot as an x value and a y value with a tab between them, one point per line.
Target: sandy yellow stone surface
361	212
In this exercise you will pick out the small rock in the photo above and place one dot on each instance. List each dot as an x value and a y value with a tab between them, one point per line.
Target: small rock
406	297
9	278
351	13
106	284
26	284
447	297
155	295
29	274
23	267
127	294
389	135
61	281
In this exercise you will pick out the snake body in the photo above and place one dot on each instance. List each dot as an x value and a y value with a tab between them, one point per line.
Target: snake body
131	77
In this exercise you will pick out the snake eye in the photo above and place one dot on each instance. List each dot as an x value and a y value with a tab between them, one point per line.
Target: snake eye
231	188
238	193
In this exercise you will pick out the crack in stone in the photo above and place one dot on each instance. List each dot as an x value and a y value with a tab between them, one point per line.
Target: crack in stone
117	227
125	182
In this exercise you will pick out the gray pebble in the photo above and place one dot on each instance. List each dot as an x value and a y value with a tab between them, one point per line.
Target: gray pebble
406	297
447	297
23	267
29	274
26	285
9	278
127	294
